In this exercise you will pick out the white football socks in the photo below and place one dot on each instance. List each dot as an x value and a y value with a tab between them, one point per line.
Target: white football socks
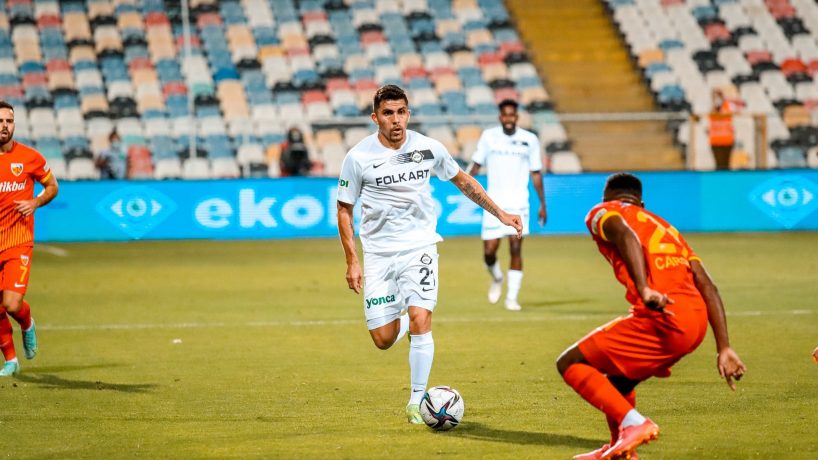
404	327
421	354
495	272
632	418
515	279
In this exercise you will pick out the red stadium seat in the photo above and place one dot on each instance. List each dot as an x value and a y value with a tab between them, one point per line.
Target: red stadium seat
490	58
716	31
313	96
413	72
511	47
11	91
156	18
755	57
209	19
140	63
792	66
174	88
372	36
140	163
335	84
365	85
505	93
35	79
48	20
310	16
56	65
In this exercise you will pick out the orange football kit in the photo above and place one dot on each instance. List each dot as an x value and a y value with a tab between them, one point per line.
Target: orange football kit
19	168
646	343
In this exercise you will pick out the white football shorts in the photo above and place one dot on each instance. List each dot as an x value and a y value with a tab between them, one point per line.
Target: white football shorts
393	282
494	229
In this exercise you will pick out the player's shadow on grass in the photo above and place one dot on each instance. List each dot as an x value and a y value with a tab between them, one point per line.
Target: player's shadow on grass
58	369
472	430
51	381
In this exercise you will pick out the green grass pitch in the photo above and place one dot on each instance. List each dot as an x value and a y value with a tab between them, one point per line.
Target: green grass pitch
258	350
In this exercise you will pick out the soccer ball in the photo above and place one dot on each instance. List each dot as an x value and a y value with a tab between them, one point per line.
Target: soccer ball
442	408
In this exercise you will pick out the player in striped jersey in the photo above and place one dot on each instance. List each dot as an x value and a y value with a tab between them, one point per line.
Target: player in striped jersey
20	166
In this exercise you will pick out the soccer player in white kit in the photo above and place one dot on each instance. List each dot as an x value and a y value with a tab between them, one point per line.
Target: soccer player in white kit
389	172
510	154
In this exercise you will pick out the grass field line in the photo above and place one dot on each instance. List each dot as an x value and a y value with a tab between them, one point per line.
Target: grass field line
345	322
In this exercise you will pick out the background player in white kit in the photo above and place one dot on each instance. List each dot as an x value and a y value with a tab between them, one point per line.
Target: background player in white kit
389	171
510	154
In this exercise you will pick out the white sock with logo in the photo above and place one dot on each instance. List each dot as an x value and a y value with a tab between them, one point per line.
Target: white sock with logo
404	327
421	354
515	279
495	272
632	418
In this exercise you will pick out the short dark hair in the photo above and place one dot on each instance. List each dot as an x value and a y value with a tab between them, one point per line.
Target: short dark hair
6	105
508	103
388	93
623	183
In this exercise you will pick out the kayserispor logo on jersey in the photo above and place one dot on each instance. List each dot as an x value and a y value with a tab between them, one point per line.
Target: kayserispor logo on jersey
17	168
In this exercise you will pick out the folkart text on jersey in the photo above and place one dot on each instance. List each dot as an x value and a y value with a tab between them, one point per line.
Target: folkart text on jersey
402	177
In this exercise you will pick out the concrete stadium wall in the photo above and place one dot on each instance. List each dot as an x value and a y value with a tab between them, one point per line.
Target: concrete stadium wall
305	207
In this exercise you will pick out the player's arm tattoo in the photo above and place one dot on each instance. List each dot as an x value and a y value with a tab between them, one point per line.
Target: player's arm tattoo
475	192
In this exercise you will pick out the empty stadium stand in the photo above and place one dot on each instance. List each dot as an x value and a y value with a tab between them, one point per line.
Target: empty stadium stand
576	46
78	69
763	54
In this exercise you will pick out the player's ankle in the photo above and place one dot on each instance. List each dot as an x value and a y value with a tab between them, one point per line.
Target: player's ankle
632	418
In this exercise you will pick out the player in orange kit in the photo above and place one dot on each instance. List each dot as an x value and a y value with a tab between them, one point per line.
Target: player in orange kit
20	166
672	298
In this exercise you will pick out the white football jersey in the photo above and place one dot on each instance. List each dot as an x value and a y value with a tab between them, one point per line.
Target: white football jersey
398	212
509	161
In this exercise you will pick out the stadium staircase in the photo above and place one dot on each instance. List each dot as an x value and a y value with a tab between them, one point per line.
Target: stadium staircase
587	69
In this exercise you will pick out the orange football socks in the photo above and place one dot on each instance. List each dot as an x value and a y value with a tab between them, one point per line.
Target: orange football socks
595	388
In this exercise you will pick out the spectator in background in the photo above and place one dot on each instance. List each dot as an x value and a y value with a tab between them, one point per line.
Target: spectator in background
113	161
722	137
295	159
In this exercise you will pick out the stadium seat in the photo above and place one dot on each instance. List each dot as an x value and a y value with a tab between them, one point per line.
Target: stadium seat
81	169
196	168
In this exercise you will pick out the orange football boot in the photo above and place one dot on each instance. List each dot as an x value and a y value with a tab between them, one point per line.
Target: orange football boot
597	454
630	438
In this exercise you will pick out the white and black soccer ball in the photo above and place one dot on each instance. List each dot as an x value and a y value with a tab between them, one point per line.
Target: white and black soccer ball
442	408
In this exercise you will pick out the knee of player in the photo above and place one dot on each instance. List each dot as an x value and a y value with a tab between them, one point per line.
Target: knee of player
567	358
11	305
383	345
562	366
